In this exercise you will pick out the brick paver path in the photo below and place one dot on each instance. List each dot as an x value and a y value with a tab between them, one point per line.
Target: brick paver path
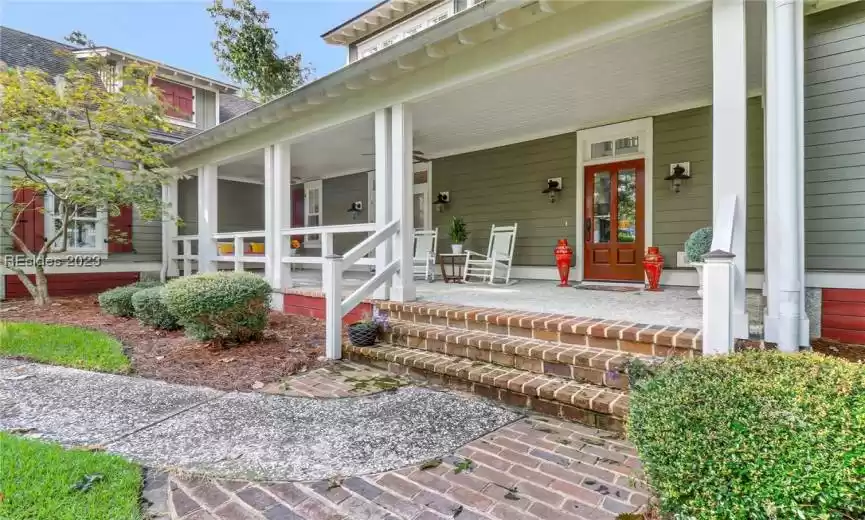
338	379
536	468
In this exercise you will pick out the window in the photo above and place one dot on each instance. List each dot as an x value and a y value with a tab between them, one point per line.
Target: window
614	148
312	209
179	101
87	229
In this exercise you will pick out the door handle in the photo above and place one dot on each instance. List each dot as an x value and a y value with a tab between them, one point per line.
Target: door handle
588	227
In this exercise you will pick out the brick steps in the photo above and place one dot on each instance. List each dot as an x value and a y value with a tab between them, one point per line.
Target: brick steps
634	338
585	364
597	406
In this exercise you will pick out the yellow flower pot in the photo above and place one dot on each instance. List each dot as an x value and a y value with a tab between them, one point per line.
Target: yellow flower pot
225	249
256	248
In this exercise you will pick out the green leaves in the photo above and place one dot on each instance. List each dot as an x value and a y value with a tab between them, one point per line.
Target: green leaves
246	50
754	435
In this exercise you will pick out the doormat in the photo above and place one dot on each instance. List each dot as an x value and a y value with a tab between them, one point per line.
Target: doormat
609	288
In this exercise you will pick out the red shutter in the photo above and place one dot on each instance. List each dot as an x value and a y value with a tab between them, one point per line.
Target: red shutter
178	99
298	211
120	227
30	227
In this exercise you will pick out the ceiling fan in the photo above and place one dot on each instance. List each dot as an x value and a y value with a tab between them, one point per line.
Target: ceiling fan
417	155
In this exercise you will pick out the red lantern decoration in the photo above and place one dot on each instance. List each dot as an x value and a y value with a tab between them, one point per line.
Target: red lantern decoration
564	255
653	263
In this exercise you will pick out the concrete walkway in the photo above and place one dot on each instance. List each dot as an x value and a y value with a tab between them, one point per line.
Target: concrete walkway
410	453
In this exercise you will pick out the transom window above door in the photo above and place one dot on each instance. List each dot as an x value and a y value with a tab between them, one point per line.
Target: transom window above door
614	148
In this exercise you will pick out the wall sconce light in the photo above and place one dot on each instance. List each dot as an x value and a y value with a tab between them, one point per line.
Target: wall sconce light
442	199
679	172
554	185
355	208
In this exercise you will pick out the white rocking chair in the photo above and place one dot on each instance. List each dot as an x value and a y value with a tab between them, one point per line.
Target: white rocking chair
425	243
499	257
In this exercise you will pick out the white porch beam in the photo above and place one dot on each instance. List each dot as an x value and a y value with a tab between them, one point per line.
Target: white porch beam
208	189
169	229
787	322
729	126
281	214
402	184
383	195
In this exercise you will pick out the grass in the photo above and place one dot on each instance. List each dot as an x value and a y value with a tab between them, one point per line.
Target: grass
62	345
37	482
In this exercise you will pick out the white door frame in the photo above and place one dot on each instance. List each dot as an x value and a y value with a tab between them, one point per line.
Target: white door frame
642	128
424	189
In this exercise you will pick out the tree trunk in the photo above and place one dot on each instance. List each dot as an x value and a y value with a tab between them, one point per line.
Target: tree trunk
41	297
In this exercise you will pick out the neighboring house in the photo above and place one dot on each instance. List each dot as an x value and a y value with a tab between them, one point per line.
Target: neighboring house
762	103
195	103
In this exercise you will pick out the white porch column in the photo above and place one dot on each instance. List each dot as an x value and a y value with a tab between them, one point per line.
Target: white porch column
169	229
729	105
207	217
270	224
281	215
383	195
403	178
786	322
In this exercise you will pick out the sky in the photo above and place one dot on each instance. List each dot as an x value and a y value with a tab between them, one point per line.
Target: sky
179	33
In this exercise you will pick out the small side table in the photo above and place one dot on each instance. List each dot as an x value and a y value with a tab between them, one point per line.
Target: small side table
457	262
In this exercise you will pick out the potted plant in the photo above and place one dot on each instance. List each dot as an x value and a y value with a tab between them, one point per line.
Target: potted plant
458	235
696	247
365	333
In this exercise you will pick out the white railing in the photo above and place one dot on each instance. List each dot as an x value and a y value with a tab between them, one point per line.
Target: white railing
332	271
718	282
186	257
239	254
327	234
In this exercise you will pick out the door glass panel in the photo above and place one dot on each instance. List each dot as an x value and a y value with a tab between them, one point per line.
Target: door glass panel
602	149
419	210
601	208
626	205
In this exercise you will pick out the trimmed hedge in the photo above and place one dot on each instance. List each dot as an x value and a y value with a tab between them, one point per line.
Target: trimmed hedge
698	244
118	301
220	307
758	435
151	310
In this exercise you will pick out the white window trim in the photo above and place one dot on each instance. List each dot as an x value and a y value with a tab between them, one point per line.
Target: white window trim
101	221
307	187
642	128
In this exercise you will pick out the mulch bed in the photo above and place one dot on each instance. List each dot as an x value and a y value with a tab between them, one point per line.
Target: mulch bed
291	343
831	347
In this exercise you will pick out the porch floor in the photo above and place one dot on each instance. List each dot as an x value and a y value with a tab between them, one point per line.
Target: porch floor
674	306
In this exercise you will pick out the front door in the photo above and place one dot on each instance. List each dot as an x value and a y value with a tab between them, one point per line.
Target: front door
613	223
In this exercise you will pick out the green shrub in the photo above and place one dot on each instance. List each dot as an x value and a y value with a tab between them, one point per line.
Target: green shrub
698	244
151	310
758	435
220	307
118	301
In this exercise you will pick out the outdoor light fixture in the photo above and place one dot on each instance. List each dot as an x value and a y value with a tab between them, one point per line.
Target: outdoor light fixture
355	208
443	198
554	185
679	172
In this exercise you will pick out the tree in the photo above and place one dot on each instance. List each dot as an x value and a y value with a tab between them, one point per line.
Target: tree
85	146
246	50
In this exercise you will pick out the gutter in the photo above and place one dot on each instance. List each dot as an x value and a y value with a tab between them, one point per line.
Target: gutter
243	123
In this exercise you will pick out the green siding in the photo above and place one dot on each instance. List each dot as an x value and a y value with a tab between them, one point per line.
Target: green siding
835	139
502	186
337	195
205	109
240	204
687	136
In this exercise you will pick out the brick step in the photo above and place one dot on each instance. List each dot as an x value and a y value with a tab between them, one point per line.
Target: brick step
584	364
624	336
596	406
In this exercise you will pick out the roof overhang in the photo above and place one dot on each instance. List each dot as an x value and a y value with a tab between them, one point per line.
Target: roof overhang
163	70
373	19
459	32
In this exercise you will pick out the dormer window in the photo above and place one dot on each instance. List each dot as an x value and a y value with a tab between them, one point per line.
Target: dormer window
179	101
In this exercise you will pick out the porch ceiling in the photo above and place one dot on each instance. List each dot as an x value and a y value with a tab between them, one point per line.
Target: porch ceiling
645	74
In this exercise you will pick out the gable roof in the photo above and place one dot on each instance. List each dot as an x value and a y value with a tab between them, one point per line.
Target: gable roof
21	49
